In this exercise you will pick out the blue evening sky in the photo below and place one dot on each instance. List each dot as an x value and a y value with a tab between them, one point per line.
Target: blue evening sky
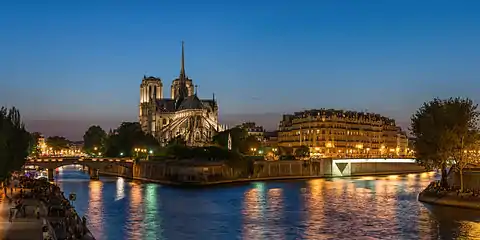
82	61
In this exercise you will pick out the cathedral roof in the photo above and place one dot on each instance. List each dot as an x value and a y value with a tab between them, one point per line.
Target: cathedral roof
191	102
168	105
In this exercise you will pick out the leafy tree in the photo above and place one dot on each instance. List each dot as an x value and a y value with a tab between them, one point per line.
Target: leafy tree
57	143
302	151
464	133
442	131
126	138
94	137
241	142
34	148
285	151
15	142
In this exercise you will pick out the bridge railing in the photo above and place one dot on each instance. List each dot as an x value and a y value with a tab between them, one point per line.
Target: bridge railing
366	157
61	159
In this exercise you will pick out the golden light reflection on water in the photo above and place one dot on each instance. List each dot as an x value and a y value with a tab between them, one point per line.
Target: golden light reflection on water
470	230
275	213
254	212
385	200
393	177
95	208
315	205
135	212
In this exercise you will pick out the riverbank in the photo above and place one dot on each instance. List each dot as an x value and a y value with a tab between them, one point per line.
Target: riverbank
21	227
244	180
60	218
432	195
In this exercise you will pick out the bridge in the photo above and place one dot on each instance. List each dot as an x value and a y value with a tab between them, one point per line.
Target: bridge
93	164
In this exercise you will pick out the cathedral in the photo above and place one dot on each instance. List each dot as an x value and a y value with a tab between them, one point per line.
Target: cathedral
182	115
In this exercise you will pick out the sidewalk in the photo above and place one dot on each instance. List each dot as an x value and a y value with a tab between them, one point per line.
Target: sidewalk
28	228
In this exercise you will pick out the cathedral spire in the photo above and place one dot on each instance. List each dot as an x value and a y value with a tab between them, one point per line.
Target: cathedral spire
182	70
182	88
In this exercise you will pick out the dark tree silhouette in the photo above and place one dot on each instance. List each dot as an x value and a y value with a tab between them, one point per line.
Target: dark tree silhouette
57	143
94	138
128	136
15	141
443	129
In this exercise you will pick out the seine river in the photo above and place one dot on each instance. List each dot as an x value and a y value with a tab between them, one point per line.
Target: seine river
344	208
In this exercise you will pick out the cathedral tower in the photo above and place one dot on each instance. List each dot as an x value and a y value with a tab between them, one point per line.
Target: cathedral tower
151	90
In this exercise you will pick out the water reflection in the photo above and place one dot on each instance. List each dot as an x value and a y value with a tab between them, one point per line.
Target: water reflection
153	221
95	209
254	212
135	226
120	189
315	205
274	215
356	208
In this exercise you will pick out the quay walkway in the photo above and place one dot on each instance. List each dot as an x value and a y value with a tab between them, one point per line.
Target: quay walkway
28	227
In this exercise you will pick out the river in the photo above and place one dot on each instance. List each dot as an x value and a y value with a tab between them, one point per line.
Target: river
342	208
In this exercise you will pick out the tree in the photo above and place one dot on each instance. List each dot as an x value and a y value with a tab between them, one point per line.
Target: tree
94	140
57	143
241	141
464	133
128	136
34	147
15	141
441	129
285	151
302	151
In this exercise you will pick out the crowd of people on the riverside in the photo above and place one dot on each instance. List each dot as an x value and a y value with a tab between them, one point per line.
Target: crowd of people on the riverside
63	221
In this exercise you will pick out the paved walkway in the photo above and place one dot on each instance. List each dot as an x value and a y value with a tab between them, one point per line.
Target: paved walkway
29	228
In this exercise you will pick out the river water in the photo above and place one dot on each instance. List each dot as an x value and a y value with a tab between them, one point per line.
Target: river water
343	208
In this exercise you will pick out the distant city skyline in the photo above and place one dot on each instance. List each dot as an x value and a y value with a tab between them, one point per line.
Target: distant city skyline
68	65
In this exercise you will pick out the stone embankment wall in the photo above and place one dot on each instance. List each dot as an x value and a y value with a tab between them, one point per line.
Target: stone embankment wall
384	168
471	179
117	170
262	170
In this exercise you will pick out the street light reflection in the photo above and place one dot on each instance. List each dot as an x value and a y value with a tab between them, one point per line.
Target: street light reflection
315	204
135	216
120	189
254	212
95	209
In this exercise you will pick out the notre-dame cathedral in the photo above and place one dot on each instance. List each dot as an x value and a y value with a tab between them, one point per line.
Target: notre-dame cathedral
182	115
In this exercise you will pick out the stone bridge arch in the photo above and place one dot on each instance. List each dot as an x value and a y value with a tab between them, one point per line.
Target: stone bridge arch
95	165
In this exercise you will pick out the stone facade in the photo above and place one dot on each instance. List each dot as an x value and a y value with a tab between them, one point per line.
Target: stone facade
337	133
182	115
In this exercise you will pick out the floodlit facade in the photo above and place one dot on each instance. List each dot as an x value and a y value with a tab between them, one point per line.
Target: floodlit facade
183	114
338	133
254	130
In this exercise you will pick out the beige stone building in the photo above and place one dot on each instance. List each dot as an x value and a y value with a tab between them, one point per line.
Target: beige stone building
338	133
182	115
254	130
